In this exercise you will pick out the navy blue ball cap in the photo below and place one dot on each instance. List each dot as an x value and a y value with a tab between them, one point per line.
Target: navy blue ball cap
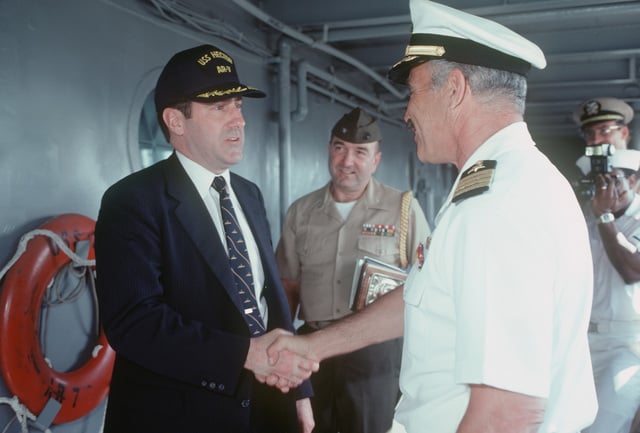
204	73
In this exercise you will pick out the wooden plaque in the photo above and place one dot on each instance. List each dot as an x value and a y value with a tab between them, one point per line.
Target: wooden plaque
373	278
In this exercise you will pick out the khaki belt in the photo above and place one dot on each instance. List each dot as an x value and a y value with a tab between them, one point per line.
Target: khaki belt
606	326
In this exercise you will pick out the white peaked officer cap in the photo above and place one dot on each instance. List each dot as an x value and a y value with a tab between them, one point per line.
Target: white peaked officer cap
602	109
441	32
626	158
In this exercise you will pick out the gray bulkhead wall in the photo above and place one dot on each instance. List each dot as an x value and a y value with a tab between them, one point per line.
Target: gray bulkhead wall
73	77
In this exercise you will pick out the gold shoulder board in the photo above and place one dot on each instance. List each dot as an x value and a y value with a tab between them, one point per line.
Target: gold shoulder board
475	180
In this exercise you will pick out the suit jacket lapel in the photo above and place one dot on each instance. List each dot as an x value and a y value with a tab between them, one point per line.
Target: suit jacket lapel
252	209
192	214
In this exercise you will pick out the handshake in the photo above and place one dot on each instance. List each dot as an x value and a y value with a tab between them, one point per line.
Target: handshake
281	359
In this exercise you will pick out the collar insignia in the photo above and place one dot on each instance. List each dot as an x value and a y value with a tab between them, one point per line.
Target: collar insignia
475	180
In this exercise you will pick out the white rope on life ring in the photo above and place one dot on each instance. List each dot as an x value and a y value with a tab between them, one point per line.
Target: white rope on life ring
22	413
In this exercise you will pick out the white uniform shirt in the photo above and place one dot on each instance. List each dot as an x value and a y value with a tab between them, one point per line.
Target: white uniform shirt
613	299
503	297
615	334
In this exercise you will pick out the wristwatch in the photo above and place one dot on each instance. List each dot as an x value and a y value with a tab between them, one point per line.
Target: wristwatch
606	218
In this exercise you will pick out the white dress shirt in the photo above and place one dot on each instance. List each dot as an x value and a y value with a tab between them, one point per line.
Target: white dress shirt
202	179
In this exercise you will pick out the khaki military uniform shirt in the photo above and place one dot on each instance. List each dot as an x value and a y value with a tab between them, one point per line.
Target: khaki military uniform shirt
319	249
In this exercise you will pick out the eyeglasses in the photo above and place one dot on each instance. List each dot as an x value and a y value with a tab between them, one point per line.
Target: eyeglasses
602	131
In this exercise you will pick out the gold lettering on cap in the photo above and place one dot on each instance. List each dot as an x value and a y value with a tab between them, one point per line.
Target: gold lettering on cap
204	60
223	69
214	55
221	55
425	50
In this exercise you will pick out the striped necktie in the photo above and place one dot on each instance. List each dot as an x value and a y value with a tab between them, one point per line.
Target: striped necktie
239	259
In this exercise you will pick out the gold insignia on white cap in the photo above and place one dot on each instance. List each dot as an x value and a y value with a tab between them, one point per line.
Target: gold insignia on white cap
425	50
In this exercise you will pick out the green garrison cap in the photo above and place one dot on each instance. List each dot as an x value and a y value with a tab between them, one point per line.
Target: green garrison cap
357	126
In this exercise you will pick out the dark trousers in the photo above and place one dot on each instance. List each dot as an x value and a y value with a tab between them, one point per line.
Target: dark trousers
357	392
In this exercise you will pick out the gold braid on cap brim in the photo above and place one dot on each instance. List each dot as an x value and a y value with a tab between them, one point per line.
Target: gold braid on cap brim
425	50
602	118
218	93
413	52
463	50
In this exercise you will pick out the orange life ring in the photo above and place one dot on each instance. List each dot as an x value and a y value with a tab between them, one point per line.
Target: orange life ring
24	368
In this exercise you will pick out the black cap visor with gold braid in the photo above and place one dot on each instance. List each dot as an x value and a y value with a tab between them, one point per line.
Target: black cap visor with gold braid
424	47
222	92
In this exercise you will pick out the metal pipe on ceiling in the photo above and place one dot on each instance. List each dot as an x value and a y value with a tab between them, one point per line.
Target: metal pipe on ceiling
327	49
534	16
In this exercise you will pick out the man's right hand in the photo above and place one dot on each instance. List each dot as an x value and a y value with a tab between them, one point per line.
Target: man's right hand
298	344
285	347
606	195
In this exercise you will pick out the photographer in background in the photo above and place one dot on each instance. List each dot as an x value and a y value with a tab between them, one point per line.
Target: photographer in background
603	121
614	329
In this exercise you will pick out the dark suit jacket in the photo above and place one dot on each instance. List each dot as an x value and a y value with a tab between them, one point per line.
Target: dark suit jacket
163	287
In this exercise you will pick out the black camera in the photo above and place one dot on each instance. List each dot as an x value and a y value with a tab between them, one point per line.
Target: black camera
599	156
599	159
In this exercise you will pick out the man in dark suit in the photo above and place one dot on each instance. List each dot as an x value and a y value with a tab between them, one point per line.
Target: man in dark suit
190	330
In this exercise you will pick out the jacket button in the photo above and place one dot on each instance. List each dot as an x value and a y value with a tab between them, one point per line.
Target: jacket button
245	403
220	387
204	383
212	385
